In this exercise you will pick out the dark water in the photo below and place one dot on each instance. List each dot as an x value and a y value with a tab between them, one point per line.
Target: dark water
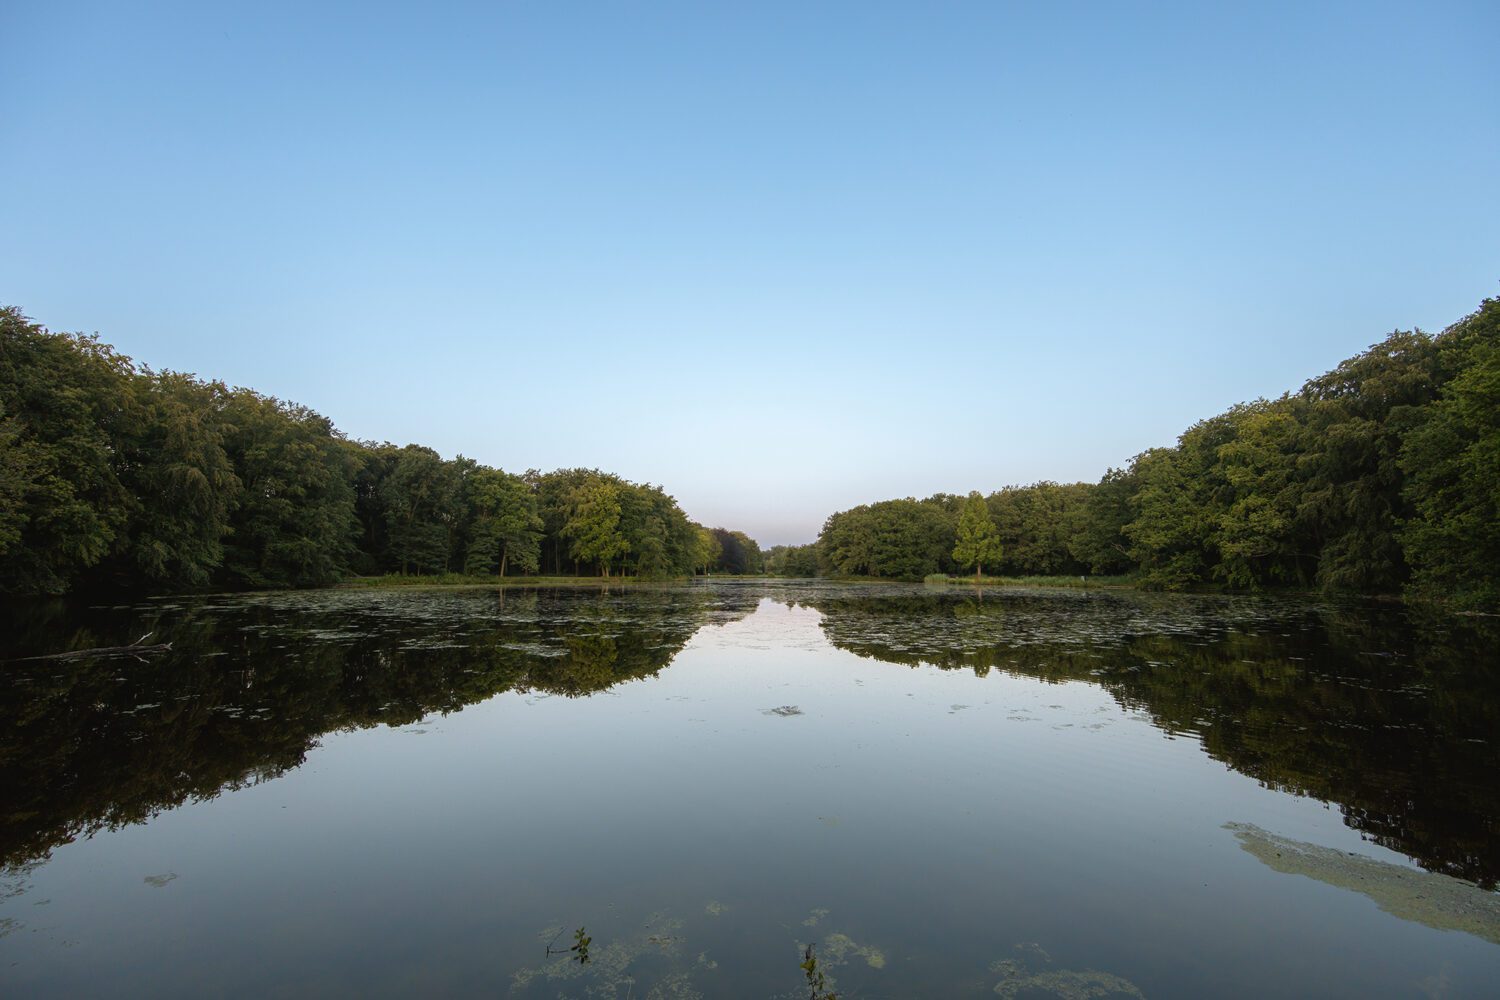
1030	794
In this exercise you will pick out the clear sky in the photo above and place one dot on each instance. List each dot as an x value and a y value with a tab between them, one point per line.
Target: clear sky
780	258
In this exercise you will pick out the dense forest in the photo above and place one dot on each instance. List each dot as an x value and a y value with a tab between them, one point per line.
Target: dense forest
1379	476
113	475
1382	475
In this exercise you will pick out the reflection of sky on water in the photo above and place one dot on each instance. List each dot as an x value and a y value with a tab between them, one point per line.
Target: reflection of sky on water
947	821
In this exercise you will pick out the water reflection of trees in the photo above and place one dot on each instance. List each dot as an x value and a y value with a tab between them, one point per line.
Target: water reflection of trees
250	686
1393	719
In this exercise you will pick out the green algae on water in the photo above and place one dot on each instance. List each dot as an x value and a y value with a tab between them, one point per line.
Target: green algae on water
1438	901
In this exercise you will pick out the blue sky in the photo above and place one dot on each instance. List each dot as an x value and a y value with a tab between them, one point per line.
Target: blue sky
781	259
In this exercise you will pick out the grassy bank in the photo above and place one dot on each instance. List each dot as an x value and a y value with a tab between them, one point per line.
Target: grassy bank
1128	582
396	580
393	580
1074	582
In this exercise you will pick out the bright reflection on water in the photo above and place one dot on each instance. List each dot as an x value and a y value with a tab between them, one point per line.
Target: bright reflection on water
1023	794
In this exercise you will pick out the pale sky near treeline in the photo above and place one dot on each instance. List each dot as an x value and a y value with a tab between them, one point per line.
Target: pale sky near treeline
779	258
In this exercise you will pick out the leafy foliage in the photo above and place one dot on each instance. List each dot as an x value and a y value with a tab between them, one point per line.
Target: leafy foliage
62	406
1378	475
978	541
1452	463
1381	474
112	475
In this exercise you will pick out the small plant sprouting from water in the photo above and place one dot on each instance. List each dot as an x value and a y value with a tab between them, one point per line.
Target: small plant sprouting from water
580	949
816	983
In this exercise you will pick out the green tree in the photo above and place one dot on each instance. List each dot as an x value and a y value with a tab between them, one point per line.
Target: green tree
1356	417
294	525
593	523
181	482
978	542
1452	463
507	528
706	549
64	403
1100	542
422	500
1257	537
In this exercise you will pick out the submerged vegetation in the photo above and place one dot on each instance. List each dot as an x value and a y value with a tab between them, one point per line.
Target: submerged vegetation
1382	475
115	476
1445	904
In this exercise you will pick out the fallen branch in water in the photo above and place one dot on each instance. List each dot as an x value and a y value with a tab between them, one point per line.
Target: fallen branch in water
134	649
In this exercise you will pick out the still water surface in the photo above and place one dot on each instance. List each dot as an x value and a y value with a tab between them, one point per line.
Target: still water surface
1024	794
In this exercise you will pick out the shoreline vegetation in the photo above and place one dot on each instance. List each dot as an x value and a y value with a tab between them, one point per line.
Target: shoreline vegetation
392	581
115	477
397	581
1380	477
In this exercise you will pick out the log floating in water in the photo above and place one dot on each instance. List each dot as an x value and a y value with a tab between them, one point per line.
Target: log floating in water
134	649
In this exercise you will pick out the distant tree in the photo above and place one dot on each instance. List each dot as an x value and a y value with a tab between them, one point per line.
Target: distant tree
978	542
506	527
706	549
1257	537
294	525
905	539
1452	464
1100	543
181	481
753	561
422	498
801	561
63	403
593	523
792	560
653	558
1355	418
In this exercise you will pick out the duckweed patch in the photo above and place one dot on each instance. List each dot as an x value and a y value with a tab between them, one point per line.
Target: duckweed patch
841	948
1026	975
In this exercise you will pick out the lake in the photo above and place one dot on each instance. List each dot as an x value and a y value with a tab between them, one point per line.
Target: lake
944	792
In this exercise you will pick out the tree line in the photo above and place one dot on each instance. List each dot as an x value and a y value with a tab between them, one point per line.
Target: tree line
113	475
1379	476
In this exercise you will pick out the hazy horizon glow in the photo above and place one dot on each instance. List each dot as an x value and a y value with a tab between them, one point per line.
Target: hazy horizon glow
781	259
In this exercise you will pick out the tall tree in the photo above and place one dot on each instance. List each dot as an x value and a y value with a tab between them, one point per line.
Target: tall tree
978	542
64	402
294	525
507	528
1100	542
706	549
593	524
1356	418
422	500
1452	462
180	479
